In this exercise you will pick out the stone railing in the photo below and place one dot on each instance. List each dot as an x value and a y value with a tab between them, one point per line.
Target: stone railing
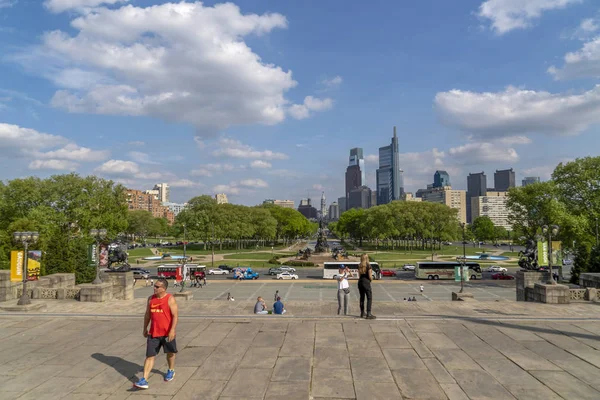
590	280
577	294
54	294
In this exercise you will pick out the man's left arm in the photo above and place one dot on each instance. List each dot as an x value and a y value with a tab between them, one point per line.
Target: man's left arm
175	317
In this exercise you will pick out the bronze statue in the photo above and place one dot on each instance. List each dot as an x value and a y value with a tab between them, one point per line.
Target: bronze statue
322	246
528	258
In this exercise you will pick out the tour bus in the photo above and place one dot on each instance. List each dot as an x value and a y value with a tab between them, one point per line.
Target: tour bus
170	271
331	269
445	270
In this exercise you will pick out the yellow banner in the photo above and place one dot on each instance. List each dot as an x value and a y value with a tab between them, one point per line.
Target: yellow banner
33	265
16	265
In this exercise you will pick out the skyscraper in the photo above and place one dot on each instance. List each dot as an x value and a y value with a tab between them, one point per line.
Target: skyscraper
528	180
476	186
390	182
504	179
334	211
441	179
323	206
342	204
163	192
353	178
359	198
356	158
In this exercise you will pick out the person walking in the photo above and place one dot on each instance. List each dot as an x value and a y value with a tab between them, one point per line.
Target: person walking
343	289
365	276
162	315
276	295
422	288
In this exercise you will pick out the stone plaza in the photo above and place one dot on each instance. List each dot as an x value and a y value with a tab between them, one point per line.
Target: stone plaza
421	350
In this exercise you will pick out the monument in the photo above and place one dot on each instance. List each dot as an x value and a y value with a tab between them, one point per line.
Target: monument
322	246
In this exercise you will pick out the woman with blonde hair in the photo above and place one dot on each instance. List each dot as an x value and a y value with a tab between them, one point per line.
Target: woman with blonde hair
365	276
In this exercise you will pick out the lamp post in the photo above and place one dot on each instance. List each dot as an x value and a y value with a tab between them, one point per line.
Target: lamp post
25	238
184	244
98	234
462	260
432	225
213	244
550	230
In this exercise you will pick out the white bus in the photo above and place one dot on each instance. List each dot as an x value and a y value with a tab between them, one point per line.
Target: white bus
445	270
331	269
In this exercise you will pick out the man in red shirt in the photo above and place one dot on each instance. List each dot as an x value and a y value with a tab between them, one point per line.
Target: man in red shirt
161	313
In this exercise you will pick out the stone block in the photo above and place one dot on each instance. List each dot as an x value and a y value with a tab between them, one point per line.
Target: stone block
122	284
457	296
552	294
61	293
96	293
590	280
186	295
591	294
4	275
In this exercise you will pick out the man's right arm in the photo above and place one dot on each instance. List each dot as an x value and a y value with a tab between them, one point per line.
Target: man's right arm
147	318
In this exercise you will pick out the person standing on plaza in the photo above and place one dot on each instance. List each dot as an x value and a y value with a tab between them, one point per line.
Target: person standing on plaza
365	276
276	295
162	315
343	289
422	288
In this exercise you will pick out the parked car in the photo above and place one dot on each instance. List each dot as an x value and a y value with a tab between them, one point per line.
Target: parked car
218	271
496	268
388	272
140	274
502	276
288	269
275	271
226	267
245	273
287	275
408	267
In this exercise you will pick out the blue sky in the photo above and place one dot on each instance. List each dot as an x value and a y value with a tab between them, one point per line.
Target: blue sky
263	99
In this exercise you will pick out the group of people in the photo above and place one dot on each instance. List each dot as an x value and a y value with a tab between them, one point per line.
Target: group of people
260	307
365	276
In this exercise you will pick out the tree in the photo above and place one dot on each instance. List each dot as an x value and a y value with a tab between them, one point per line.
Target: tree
483	228
141	223
581	261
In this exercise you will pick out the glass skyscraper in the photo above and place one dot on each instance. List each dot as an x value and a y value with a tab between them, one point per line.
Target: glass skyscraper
441	179
390	182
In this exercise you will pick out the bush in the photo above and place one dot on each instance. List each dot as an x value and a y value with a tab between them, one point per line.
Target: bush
274	261
300	264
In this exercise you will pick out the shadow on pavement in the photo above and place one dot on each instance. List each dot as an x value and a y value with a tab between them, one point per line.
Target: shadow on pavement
126	368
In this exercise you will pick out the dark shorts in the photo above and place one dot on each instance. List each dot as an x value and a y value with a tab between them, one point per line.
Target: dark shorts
155	343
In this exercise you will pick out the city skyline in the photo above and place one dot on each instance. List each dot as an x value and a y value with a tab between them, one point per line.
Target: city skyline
470	87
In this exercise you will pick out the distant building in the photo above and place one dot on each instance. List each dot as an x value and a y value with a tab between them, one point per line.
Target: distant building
456	199
305	208
390	181
153	192
334	211
221	198
356	158
280	203
163	192
138	200
409	197
528	180
359	198
353	178
323	211
504	179
441	179
342	203
492	205
175	208
476	186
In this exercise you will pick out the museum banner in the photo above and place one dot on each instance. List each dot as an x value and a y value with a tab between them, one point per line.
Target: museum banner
33	265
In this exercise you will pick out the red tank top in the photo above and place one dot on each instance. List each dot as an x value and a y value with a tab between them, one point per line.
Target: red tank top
160	316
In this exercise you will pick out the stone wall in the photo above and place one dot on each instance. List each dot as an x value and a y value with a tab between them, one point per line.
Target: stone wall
122	284
526	281
589	280
12	290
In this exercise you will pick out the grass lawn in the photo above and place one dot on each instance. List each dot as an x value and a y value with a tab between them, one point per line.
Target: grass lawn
241	263
255	256
199	250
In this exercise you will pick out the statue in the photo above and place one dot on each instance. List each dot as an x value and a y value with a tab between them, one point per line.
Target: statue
528	257
118	255
322	246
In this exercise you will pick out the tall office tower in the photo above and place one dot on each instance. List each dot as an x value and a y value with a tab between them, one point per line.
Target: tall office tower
390	180
334	211
504	179
359	198
476	186
221	198
492	205
323	206
356	158
441	179
528	180
353	178
342	204
163	192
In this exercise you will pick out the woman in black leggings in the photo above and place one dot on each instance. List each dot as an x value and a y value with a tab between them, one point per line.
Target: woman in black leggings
364	286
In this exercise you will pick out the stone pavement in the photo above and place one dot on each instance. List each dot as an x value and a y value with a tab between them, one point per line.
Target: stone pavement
427	350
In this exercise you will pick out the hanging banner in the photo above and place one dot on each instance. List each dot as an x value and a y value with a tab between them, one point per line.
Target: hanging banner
543	253
92	255
465	273
33	265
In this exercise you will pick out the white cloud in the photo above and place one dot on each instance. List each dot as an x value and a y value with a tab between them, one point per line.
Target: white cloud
584	63
507	15
61	165
286	173
372	159
119	168
481	153
586	29
184	183
7	3
260	164
141	157
199	142
229	189
516	112
137	143
58	6
209	170
254	183
75	153
318	186
236	149
182	62
302	111
333	82
16	137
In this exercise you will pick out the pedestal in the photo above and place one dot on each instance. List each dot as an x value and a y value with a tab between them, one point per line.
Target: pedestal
552	294
96	293
457	296
526	281
185	295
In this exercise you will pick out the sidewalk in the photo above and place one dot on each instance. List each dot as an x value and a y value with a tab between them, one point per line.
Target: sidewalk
412	351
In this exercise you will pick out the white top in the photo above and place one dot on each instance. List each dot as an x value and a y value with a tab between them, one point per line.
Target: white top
343	283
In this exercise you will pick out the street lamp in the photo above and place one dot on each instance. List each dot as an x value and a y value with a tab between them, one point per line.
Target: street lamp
550	230
25	238
432	226
184	244
98	234
462	260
